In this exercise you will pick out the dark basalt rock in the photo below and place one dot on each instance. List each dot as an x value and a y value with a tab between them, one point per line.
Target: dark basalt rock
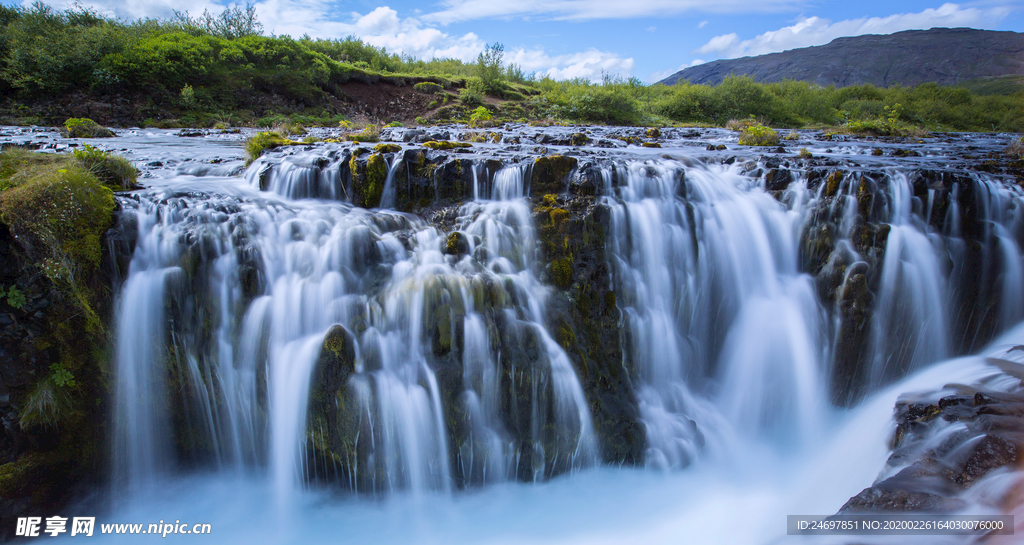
935	473
550	174
584	318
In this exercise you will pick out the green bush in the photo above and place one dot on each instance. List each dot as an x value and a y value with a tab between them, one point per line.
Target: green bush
187	96
479	115
428	87
473	93
758	135
489	69
84	128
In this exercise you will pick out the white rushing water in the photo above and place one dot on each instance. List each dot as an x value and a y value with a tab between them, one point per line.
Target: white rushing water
457	382
731	500
311	265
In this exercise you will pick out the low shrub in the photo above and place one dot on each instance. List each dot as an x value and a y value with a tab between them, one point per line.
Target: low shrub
428	87
758	135
83	127
479	116
370	133
470	97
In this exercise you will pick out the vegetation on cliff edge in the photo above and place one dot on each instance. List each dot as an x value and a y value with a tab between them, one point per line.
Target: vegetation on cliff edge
221	70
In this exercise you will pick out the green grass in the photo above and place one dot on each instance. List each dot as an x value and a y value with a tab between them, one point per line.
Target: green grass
111	169
199	72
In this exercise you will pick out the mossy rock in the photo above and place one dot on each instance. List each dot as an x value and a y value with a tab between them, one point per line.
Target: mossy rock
456	243
63	212
651	145
579	139
368	179
653	132
832	186
261	142
558	215
550	174
758	135
387	148
446	145
561	272
83	127
337	359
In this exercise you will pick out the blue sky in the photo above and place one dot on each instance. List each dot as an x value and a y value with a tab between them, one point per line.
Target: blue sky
648	39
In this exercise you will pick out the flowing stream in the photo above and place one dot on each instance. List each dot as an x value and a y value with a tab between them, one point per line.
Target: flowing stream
460	417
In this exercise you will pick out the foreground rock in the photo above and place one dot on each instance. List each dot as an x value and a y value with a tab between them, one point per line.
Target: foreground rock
947	442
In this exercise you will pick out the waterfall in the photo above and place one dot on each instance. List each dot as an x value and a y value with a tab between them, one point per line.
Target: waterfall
275	330
243	292
725	329
730	335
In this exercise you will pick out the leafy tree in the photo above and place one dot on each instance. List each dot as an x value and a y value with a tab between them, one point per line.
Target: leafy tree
489	68
234	22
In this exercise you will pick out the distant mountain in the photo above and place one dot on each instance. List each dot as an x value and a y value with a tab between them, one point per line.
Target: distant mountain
947	56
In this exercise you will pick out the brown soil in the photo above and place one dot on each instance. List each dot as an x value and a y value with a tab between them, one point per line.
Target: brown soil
379	102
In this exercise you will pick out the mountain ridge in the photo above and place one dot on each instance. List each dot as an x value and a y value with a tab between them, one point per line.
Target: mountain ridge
946	56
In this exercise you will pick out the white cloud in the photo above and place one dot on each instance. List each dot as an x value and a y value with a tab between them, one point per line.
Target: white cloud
652	28
381	27
702	24
810	31
590	64
466	10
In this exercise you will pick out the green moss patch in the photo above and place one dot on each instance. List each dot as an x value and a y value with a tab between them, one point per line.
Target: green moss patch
446	145
550	173
257	145
82	127
387	148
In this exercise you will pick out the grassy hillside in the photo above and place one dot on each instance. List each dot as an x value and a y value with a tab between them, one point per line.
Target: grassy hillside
222	70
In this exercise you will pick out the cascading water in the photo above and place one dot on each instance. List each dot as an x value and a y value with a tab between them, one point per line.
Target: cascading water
724	326
712	292
272	330
911	319
252	288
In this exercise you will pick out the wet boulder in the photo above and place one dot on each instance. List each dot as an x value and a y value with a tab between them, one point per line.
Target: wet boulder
337	358
456	243
550	174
